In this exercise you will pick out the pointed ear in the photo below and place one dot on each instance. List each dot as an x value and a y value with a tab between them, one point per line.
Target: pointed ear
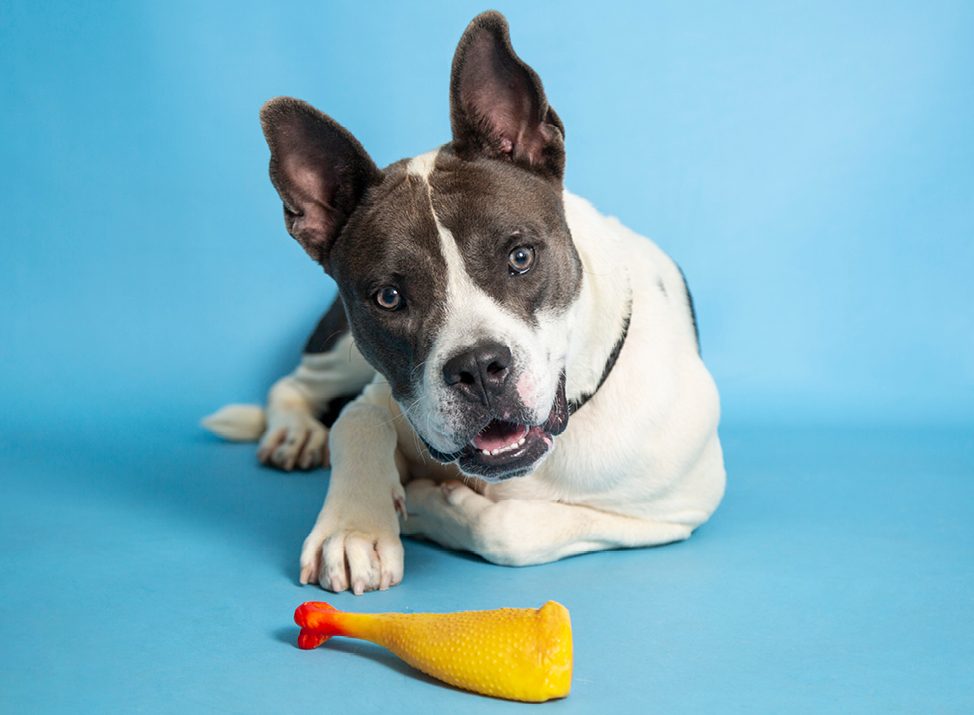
498	107
319	170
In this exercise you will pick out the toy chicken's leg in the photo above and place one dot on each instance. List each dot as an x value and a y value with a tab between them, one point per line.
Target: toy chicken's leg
519	654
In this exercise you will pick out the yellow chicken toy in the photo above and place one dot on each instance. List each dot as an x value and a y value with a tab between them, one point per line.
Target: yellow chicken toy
513	653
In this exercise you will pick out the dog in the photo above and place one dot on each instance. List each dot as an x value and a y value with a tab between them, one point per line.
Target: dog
528	371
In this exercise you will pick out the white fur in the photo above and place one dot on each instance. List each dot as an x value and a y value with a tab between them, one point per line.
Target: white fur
355	541
422	165
237	423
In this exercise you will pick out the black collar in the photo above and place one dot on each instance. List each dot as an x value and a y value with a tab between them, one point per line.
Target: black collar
576	404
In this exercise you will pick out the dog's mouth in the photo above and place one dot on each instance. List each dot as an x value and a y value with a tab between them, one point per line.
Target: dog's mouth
502	449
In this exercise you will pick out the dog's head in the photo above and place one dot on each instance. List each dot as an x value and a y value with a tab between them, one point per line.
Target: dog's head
456	268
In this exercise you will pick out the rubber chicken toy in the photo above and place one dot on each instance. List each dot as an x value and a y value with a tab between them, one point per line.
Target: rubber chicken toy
512	653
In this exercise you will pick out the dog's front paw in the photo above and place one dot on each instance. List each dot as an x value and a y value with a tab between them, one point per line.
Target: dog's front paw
294	440
356	549
352	560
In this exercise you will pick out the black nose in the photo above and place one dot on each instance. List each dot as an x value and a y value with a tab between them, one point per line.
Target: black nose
480	373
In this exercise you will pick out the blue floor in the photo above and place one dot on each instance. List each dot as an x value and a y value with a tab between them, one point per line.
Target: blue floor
149	568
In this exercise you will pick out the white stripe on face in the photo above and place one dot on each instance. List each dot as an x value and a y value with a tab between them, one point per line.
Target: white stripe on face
471	316
422	165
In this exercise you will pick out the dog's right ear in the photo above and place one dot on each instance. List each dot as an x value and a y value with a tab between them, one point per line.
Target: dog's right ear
319	170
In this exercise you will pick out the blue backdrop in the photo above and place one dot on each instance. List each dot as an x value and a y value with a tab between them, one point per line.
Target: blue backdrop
810	165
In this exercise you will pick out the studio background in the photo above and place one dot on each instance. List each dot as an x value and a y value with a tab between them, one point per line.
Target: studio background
810	166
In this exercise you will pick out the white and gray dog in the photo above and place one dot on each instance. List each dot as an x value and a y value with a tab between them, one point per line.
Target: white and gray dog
528	372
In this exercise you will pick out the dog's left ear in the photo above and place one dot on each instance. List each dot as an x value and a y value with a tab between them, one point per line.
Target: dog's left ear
498	107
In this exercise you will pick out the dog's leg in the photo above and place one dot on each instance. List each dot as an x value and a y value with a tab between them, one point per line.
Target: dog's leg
355	541
520	532
331	367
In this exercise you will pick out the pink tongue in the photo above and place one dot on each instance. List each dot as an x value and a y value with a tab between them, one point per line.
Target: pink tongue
498	435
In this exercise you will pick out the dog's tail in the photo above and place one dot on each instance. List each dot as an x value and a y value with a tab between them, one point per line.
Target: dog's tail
237	423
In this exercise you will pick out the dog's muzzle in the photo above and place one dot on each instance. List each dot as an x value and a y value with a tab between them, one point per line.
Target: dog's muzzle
501	449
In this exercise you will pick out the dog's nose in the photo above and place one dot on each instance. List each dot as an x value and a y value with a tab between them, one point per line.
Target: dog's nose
479	373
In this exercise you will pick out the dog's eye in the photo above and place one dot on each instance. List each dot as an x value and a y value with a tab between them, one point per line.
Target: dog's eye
520	260
389	298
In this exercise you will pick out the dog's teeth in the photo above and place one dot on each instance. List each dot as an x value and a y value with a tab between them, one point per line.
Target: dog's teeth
508	448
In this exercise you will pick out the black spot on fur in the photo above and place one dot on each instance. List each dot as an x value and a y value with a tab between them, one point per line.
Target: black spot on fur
328	417
332	326
693	313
